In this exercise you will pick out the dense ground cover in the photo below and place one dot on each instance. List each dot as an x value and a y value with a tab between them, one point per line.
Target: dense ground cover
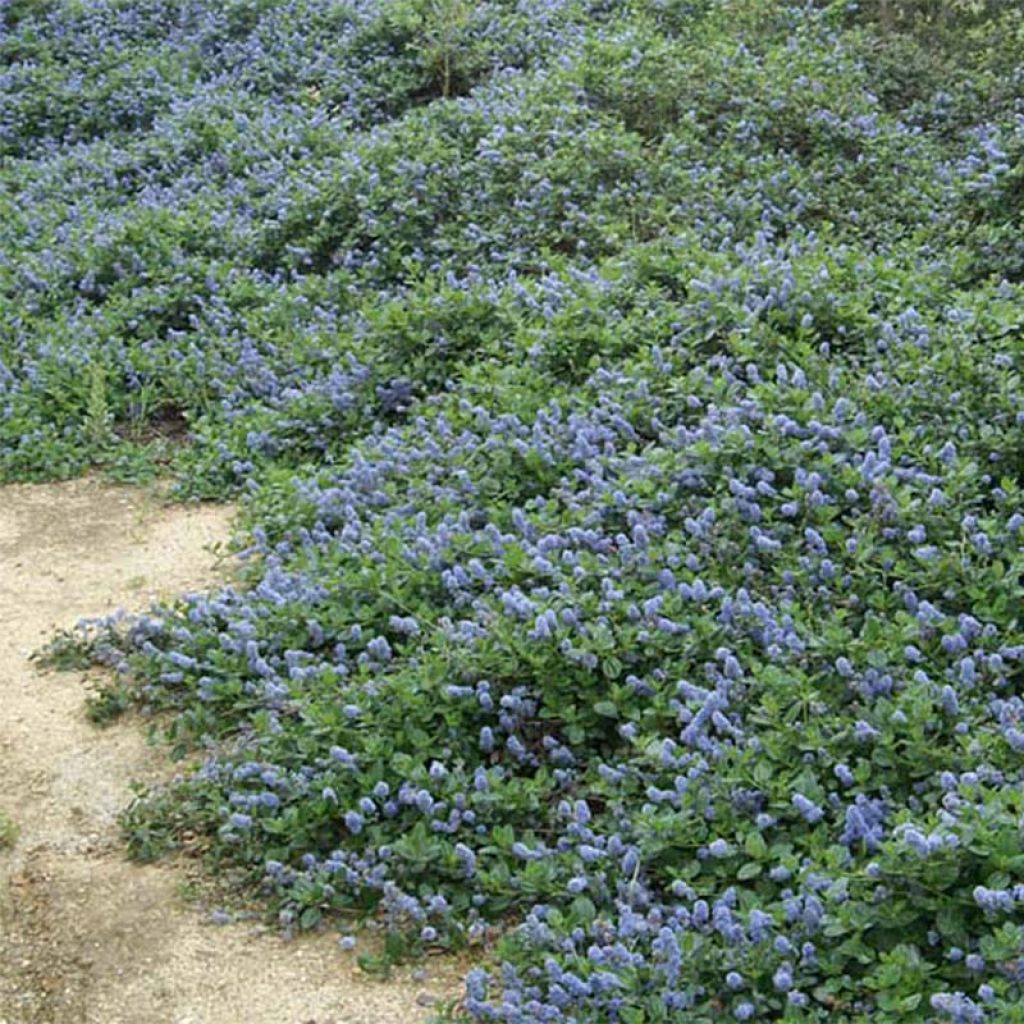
627	404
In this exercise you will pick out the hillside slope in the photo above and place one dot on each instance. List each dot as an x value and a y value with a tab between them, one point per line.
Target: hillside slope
626	401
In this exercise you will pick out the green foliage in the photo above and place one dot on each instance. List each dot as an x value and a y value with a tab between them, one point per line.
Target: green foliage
8	831
108	702
97	412
442	34
626	399
69	650
932	18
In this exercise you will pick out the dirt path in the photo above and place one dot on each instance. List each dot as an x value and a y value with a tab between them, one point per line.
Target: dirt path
86	937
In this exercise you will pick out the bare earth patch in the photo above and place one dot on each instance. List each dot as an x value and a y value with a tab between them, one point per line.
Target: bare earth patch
85	936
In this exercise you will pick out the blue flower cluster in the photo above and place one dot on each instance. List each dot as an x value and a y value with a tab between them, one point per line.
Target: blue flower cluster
629	423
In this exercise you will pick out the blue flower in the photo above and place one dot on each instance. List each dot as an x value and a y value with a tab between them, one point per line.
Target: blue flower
782	979
811	812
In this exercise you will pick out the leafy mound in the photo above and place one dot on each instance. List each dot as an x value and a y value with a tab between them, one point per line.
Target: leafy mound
627	400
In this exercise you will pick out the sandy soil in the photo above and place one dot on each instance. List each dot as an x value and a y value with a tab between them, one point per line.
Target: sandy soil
85	936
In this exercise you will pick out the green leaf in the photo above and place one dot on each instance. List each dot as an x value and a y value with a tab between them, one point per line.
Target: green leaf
755	845
583	909
611	667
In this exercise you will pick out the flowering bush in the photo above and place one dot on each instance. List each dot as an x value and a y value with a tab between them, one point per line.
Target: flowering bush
630	438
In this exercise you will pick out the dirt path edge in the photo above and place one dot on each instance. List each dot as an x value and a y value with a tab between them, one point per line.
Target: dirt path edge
85	936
